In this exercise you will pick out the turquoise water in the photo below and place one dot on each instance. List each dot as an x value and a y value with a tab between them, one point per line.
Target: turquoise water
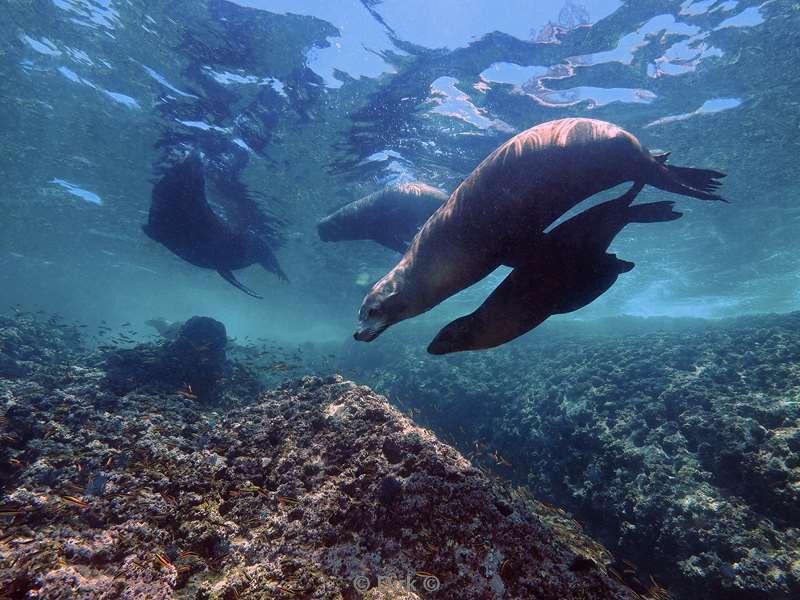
311	105
664	415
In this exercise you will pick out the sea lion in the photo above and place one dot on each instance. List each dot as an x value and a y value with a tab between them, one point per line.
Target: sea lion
164	328
499	213
570	270
391	216
181	219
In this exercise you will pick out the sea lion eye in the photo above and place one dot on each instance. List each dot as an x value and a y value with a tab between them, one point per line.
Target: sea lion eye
372	312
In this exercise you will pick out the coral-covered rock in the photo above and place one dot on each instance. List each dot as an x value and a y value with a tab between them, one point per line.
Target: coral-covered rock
677	446
318	490
194	362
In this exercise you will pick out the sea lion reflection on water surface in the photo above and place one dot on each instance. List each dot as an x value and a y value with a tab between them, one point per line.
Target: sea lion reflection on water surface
497	216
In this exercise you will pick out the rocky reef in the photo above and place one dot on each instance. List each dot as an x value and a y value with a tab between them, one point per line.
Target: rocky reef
320	489
677	445
21	347
194	362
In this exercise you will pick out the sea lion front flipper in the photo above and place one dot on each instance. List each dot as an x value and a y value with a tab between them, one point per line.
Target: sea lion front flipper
393	243
227	275
522	302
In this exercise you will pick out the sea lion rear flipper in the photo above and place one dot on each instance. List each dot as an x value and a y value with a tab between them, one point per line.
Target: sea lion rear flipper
270	263
227	275
696	183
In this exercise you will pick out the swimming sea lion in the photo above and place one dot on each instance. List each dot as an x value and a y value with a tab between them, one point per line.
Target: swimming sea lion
391	216
498	214
570	270
181	219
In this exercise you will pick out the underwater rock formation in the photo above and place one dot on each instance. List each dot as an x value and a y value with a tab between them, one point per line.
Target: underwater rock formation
26	342
318	490
679	449
194	362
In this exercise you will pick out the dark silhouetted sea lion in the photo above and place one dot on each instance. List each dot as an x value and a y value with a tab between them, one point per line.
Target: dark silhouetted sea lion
499	213
181	219
570	270
390	217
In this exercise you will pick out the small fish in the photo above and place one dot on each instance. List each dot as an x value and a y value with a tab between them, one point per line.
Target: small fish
163	560
76	501
254	490
500	459
73	487
506	564
615	575
21	541
188	392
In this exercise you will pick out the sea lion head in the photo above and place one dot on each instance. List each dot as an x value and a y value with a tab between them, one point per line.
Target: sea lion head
381	308
335	227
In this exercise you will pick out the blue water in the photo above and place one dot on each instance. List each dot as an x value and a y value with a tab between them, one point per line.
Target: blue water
679	447
310	105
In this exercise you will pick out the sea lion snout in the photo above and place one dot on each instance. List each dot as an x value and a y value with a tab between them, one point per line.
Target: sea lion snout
369	328
365	335
378	311
324	230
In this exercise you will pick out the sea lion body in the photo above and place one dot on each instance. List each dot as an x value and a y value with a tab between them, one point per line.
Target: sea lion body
181	219
391	216
499	213
571	270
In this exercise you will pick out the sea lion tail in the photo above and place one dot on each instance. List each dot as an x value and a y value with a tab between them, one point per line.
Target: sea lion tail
652	212
704	180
